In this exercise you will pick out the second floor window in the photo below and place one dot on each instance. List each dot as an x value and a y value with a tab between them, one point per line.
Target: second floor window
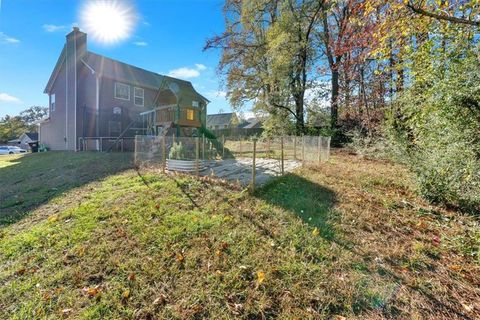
52	102
122	91
138	96
190	114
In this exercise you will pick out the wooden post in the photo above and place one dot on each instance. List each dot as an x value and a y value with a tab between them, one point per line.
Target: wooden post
253	163
319	148
197	152
223	146
164	154
303	150
281	147
294	147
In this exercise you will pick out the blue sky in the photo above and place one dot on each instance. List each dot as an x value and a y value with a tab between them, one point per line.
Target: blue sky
168	39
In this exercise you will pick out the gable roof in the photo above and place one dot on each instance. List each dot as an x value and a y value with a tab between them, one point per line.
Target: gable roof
219	119
124	72
56	70
252	124
32	135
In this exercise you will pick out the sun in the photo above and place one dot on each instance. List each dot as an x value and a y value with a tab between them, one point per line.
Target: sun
108	21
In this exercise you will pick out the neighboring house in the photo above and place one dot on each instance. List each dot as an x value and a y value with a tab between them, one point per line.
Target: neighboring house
93	96
24	140
221	121
251	123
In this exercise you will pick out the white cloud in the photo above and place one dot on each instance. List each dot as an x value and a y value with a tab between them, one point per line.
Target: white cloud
5	97
200	66
7	39
187	73
54	28
184	73
140	43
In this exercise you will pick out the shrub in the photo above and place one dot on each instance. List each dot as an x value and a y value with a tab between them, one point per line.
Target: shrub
435	130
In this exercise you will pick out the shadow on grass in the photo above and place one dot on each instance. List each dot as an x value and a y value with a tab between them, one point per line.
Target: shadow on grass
31	180
312	202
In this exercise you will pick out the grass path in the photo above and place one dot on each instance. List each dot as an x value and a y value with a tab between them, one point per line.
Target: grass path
347	239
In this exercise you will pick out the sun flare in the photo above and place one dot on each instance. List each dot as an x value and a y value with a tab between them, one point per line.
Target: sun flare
108	21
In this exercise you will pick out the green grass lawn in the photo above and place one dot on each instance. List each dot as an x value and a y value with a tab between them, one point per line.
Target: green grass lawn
27	181
345	239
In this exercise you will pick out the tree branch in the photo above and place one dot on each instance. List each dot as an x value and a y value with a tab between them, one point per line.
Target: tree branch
443	17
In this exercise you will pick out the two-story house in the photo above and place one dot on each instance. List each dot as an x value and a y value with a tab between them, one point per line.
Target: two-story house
93	96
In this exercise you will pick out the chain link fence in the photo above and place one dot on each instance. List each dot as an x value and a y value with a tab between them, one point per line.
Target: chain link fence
247	160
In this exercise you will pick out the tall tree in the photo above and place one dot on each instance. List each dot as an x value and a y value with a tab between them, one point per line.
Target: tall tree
268	51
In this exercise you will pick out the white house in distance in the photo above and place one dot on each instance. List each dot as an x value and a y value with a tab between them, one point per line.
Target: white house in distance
24	140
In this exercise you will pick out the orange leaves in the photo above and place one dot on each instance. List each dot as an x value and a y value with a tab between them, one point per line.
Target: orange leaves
179	257
131	277
94	292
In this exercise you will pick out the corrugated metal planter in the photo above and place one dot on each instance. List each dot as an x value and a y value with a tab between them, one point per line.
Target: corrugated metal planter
184	165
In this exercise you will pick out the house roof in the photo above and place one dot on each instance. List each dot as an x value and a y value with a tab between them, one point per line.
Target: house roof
219	119
252	124
32	135
124	72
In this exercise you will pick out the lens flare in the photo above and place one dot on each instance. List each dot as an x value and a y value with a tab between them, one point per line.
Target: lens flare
108	21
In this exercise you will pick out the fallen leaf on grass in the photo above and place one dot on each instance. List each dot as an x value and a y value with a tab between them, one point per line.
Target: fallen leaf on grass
131	277
455	267
179	257
260	277
66	312
315	232
92	292
126	294
20	271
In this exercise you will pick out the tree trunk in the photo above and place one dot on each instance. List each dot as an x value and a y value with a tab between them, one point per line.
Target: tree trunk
334	100
300	121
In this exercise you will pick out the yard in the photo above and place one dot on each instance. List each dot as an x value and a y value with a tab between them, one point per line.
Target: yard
84	235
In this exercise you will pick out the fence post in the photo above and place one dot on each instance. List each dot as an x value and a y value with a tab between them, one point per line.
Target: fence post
135	151
203	147
294	147
281	146
253	164
164	154
197	152
101	144
319	148
303	150
223	146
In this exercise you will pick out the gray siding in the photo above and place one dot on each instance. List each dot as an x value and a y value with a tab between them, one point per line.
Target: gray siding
129	110
52	133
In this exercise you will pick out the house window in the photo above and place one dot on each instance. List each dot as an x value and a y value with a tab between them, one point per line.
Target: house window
190	114
138	96
122	91
52	102
195	104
